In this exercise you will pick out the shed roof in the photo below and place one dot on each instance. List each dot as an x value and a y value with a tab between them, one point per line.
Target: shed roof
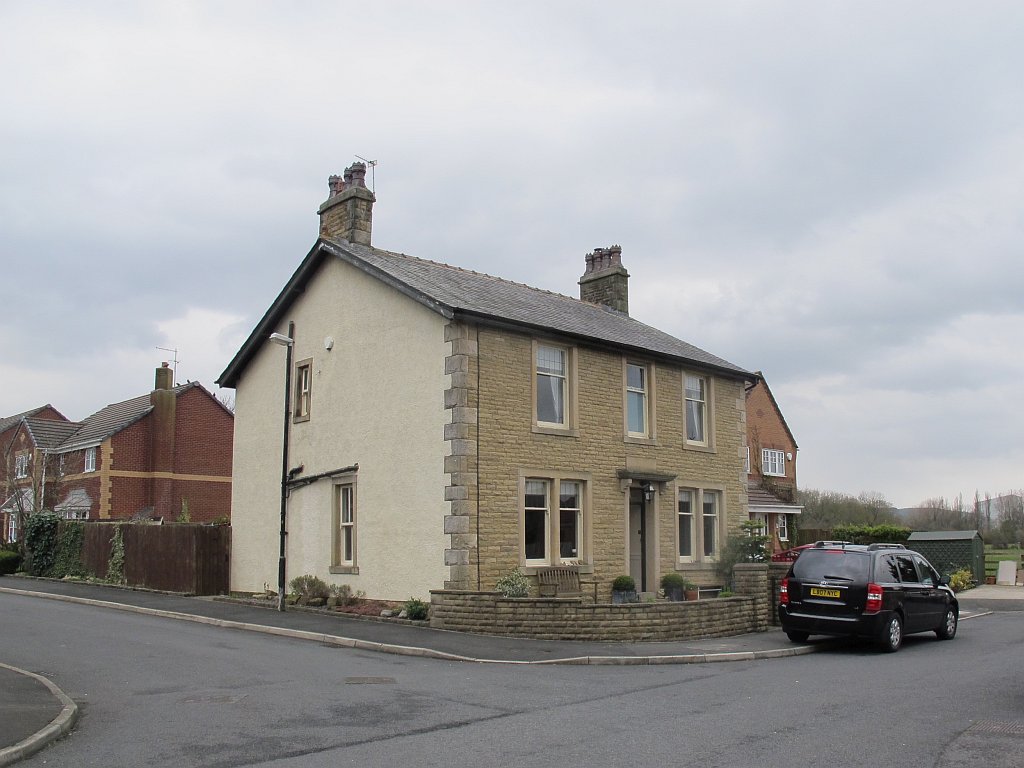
942	535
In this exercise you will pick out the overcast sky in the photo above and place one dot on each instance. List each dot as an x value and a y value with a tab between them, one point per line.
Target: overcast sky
831	193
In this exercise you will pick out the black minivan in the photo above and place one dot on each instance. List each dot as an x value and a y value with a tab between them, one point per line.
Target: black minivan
880	591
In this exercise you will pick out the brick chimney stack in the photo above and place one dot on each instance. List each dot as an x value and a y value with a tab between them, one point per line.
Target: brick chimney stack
162	433
605	280
347	214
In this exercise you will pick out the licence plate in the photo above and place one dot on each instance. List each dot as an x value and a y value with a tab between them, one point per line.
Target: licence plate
819	592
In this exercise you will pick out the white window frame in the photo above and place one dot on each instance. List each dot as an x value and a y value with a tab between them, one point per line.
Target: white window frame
89	462
543	379
21	466
716	518
303	389
532	484
12	527
552	509
773	462
641	393
690	493
782	527
345	527
704	440
698	530
577	513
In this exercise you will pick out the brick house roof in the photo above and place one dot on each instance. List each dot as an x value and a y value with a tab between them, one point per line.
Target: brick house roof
7	422
48	434
455	292
112	419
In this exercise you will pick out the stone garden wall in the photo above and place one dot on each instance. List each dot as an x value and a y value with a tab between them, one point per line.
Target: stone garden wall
553	618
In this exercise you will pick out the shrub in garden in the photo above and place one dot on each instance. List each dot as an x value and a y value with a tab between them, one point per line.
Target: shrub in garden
961	580
346	596
513	584
309	587
624	584
9	561
416	609
41	542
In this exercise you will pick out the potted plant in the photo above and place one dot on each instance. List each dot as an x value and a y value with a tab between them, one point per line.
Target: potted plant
690	591
673	583
623	590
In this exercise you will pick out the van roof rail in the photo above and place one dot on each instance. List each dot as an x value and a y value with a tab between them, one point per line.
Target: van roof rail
873	547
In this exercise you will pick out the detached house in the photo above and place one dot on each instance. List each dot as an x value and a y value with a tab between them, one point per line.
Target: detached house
28	441
446	427
771	466
166	455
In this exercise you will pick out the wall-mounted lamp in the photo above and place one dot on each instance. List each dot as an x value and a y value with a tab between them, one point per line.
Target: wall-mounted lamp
648	492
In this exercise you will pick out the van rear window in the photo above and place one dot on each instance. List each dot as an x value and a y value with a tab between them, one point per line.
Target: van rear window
832	564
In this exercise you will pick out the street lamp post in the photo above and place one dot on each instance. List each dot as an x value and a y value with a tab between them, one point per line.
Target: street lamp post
288	342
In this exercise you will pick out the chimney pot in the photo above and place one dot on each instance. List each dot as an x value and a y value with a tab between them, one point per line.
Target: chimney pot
605	281
347	213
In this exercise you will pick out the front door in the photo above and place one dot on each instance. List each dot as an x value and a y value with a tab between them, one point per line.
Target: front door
641	535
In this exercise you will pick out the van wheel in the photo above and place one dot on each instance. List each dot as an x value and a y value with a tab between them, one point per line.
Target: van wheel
798	637
948	629
892	635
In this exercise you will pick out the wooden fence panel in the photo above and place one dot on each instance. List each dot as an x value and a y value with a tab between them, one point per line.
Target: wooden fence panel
174	557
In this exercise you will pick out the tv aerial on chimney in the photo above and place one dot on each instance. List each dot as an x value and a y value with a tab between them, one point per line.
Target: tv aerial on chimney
373	175
174	367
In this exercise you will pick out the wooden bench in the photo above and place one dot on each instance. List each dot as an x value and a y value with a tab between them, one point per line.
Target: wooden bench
559	581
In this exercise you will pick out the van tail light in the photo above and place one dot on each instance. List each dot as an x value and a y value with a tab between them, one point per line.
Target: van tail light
874	602
784	591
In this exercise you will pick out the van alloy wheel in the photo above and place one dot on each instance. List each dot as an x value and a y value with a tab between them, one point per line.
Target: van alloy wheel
948	629
892	635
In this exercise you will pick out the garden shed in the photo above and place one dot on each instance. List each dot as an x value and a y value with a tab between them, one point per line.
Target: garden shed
950	551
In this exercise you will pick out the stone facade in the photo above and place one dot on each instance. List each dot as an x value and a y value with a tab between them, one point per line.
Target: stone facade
495	443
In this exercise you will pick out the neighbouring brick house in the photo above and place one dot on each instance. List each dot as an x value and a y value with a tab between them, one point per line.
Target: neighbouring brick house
27	442
771	466
163	455
446	427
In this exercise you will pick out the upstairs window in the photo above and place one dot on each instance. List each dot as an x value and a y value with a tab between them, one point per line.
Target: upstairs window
90	460
636	400
696	409
552	385
303	389
773	462
21	466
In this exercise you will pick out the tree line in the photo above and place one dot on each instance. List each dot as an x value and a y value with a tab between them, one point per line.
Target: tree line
999	518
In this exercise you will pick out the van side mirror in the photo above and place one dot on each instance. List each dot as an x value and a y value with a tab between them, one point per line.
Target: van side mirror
943	581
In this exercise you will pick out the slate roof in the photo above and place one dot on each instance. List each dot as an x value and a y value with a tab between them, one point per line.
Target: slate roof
453	292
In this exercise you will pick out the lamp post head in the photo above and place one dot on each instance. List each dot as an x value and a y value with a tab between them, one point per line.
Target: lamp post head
280	338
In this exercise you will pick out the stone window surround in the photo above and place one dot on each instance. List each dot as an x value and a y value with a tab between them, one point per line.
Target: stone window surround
571	375
554	479
708	444
651	437
697	522
340	482
303	401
